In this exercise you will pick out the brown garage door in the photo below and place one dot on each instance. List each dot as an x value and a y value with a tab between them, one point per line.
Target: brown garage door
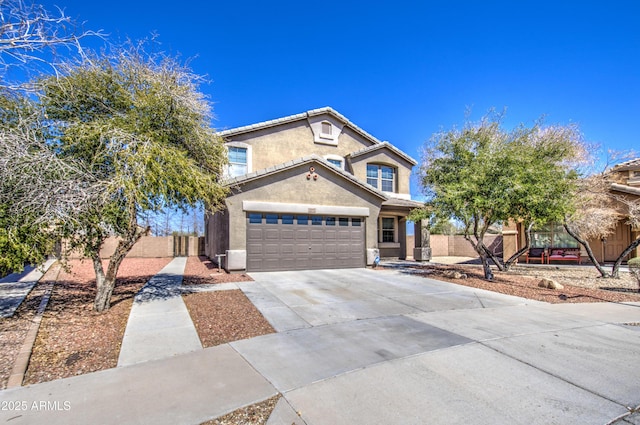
303	242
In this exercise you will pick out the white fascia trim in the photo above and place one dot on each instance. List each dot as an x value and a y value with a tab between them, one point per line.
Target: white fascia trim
276	207
405	196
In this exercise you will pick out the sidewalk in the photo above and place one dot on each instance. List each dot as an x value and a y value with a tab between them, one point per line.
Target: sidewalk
159	324
15	287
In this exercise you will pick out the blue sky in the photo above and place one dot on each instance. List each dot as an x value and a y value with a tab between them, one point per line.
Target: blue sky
401	70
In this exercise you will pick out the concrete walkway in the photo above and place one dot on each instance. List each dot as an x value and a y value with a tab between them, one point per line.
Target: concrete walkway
15	287
376	347
159	324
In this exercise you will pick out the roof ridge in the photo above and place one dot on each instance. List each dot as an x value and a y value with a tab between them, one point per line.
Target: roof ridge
383	145
300	116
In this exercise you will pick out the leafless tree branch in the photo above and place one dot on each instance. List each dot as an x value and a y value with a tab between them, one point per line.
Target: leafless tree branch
29	34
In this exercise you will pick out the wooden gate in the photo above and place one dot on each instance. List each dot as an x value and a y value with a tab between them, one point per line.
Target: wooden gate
181	246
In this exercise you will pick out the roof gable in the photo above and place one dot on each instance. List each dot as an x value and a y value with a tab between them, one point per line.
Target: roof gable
384	145
299	117
311	159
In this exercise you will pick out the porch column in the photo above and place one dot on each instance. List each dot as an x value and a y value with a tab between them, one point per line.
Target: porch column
402	237
422	250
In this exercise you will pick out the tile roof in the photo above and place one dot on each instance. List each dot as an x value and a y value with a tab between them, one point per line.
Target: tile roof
384	145
627	165
396	202
296	162
298	117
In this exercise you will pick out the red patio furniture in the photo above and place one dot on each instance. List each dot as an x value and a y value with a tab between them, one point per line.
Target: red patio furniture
536	254
564	254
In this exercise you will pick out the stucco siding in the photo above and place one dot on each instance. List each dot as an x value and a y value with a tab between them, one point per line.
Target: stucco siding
359	167
292	186
290	141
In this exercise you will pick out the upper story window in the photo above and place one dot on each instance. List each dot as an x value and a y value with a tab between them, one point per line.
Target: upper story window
381	177
336	160
237	161
239	156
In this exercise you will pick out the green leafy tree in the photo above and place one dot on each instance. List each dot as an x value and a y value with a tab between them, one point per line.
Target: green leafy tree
138	124
483	175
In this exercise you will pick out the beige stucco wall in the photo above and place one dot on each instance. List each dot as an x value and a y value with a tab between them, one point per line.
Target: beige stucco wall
292	186
286	142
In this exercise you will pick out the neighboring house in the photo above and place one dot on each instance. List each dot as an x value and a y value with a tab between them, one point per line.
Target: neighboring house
626	178
310	191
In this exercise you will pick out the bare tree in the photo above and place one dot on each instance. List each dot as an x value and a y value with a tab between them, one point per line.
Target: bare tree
31	35
599	209
594	216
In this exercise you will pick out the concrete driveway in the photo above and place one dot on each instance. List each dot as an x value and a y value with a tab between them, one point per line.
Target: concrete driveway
384	347
375	347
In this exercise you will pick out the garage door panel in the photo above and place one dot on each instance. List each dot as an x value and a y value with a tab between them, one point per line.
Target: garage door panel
287	249
271	249
254	234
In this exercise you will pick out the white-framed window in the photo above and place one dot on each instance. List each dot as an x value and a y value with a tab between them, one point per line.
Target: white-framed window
336	160
381	177
239	156
388	230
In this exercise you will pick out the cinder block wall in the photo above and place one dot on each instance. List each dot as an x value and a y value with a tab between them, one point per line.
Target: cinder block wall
457	245
150	247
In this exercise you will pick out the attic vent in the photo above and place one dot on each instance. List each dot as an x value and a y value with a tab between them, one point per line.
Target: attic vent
326	128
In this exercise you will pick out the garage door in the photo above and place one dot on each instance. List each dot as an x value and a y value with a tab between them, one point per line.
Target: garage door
303	242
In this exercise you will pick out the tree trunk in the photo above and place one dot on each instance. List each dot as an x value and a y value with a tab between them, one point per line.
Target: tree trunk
103	287
587	247
486	267
521	251
481	249
106	282
616	266
493	258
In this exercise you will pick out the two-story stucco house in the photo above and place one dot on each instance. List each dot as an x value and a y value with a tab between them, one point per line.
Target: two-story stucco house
310	191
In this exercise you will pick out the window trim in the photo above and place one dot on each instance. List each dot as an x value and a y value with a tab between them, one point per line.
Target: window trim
249	163
329	158
324	134
380	179
381	231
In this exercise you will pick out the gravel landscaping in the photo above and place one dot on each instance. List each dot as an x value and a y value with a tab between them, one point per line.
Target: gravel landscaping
581	283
